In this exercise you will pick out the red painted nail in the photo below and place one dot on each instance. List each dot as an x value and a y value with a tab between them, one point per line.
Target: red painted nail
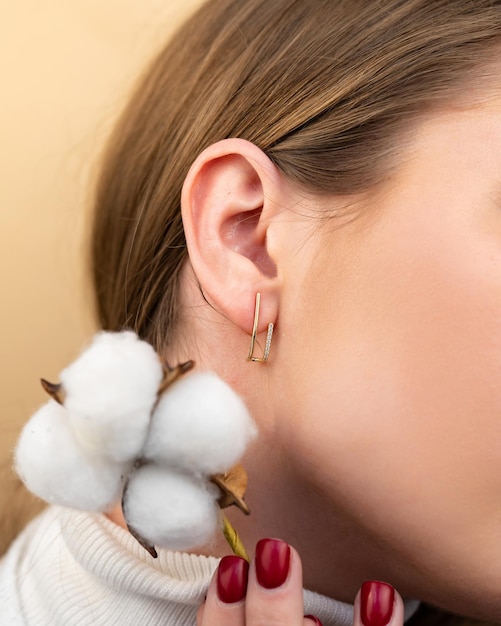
314	619
376	603
232	575
272	562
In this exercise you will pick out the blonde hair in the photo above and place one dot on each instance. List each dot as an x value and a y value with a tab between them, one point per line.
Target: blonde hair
324	87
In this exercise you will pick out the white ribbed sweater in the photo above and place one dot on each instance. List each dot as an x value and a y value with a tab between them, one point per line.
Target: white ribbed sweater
70	568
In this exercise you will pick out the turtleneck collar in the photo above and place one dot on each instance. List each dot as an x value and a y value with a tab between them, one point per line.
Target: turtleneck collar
70	567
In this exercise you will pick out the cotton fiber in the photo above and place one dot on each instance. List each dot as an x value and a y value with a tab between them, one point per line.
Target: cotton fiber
55	468
170	509
199	424
110	391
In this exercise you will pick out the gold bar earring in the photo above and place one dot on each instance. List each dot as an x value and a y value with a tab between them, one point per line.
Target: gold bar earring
267	347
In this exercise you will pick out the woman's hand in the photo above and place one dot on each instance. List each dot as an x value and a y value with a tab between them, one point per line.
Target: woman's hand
270	592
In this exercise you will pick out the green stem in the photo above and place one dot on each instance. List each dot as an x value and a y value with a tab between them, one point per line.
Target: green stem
233	539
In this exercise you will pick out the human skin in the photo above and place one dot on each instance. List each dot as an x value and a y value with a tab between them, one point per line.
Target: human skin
379	410
399	330
376	604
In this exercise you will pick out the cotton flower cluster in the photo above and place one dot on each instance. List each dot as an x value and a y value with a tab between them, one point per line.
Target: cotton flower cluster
116	435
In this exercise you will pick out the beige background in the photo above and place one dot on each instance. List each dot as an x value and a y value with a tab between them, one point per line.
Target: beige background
66	67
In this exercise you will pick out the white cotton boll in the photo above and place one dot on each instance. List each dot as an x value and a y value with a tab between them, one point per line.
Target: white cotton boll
110	391
199	424
170	509
53	466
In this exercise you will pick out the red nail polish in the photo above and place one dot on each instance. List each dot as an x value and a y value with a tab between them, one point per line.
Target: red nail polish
315	620
376	603
272	562
232	575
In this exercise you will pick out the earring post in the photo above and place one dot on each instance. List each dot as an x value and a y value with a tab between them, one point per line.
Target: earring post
269	335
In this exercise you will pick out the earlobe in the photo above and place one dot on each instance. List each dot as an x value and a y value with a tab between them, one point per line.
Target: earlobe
229	202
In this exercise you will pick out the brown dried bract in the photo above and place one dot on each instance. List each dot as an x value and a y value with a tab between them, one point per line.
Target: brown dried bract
55	390
172	374
233	486
142	541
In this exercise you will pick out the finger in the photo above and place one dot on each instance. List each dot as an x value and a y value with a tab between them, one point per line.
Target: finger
200	614
275	589
225	603
311	620
378	604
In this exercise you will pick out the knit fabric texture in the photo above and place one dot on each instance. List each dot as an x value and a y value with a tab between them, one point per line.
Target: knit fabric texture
70	568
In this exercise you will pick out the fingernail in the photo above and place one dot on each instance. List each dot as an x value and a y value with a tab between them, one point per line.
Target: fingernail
315	620
272	562
232	575
376	603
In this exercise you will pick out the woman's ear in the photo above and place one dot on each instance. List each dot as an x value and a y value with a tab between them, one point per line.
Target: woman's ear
229	201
